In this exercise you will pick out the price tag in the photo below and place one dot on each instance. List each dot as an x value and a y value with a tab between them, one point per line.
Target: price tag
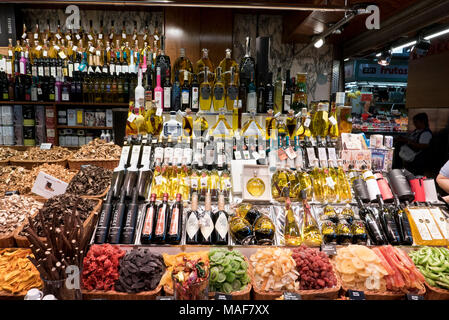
246	154
291	296
159	112
329	249
10	193
222	296
146	155
414	297
124	35
124	156
356	295
262	154
131	117
57	48
90	37
332	154
58	36
45	53
100	36
156	37
48	186
290	153
158	180
77	36
74	48
46	146
98	53
330	182
255	155
91	49
68	37
322	154
282	155
36	36
62	55
24	35
38	48
165	298
332	120
307	123
237	155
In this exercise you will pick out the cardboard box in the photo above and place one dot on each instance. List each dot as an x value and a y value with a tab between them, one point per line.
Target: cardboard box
100	118
71	117
40	115
109	118
357	158
18	135
90	119
18	115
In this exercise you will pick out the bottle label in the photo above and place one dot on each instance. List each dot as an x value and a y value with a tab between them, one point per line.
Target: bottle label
287	102
194	183
158	98
219	93
332	120
299	159
146	155
207	225
167	96
185	97
112	68
232	93
174	222
431	225
237	155
203	182
290	153
160	224
221	159
367	174
168	155
252	102
307	123
118	69
441	221
125	68
187	155
192	225
330	182
420	224
210	156
195	100
178	153
221	225
65	96
158	179
205	92
159	153
124	156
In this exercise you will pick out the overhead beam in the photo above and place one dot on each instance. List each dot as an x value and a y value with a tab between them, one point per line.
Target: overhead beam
292	23
411	19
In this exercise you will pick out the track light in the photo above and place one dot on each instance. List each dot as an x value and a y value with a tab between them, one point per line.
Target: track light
319	43
385	58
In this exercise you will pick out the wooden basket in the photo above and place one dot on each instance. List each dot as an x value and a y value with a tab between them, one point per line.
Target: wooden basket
9	296
75	164
30	164
244	294
89	226
8	240
115	295
385	295
322	294
4	163
434	293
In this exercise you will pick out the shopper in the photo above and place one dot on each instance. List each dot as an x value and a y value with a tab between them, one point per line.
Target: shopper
443	180
414	149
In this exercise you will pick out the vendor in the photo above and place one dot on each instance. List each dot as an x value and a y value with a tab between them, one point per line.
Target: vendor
443	180
413	149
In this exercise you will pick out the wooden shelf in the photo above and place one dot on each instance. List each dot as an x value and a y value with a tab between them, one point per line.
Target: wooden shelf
83	127
47	103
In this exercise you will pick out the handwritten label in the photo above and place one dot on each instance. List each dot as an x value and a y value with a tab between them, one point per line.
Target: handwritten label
46	146
291	296
356	295
48	186
329	249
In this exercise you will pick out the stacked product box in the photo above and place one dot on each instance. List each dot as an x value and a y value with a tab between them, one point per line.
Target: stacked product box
6	125
40	125
18	125
50	123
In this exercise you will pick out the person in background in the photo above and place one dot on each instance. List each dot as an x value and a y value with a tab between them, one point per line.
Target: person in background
443	180
413	149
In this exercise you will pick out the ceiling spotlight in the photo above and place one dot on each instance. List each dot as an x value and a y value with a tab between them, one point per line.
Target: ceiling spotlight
422	46
384	58
347	59
379	54
319	43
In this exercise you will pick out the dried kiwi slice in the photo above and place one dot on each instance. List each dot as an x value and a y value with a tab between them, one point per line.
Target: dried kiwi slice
214	272
221	277
227	288
230	277
235	265
240	272
236	285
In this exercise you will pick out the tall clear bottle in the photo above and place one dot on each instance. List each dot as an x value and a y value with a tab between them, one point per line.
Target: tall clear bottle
278	92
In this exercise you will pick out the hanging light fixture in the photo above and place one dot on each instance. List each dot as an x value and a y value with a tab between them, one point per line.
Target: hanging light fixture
318	43
385	58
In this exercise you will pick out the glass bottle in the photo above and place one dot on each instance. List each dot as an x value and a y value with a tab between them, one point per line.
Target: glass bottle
192	224
333	130
292	235
206	223
195	101
291	124
221	128
150	213
247	64
176	94
160	227
287	100
183	66
220	220
310	232
185	93
251	102
226	65
218	95
187	123
278	92
205	93
200	67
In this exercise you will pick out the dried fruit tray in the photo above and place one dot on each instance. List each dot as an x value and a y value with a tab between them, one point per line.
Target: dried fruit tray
115	295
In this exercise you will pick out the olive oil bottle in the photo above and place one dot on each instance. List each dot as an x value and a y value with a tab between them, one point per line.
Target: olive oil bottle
292	235
310	232
205	92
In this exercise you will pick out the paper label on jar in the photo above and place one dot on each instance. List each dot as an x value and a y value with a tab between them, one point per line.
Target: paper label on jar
441	221
430	223
221	225
420	224
307	123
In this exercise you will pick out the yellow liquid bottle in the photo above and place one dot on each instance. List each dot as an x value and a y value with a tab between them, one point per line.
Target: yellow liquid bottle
291	124
182	65
270	124
279	184
317	183
333	129
187	123
131	127
154	122
345	187
218	95
221	129
292	234
158	185
226	65
330	184
205	93
202	64
320	123
232	90
200	125
305	183
310	232
184	182
173	182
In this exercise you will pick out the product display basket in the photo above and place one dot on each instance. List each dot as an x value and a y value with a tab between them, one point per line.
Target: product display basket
115	295
30	164
385	295
8	240
434	293
75	164
88	225
4	163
